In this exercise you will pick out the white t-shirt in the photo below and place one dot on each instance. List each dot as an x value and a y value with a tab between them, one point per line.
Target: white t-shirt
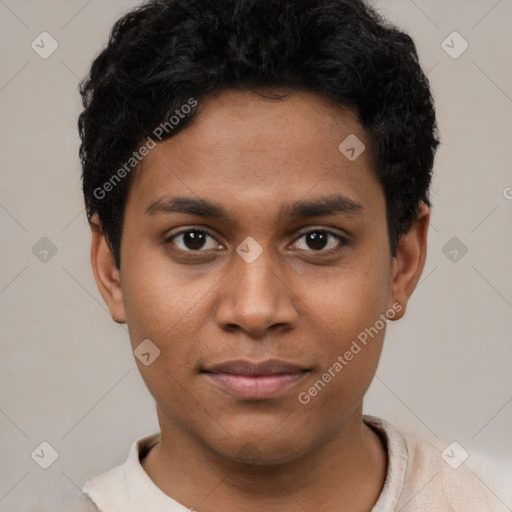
418	478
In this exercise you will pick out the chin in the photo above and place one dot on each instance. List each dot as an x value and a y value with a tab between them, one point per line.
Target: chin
258	448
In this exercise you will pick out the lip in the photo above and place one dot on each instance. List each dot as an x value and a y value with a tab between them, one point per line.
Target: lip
256	380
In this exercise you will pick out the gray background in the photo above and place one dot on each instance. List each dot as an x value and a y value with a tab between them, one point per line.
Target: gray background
67	374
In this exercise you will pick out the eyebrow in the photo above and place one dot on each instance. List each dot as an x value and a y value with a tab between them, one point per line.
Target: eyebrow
321	206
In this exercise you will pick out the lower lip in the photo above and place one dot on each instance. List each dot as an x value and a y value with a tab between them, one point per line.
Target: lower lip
256	387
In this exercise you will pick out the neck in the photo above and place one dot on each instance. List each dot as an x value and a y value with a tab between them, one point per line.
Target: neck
349	469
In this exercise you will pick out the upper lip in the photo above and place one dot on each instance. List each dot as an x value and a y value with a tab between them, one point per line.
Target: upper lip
253	368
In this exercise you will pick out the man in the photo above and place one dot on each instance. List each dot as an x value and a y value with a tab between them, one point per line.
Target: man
256	175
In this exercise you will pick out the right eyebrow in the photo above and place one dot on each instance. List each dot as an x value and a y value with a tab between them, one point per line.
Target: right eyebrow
187	205
321	206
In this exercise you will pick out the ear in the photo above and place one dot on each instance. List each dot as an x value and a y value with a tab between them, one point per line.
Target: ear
410	259
105	272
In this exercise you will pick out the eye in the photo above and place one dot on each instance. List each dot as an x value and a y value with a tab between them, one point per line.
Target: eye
196	240
318	240
192	240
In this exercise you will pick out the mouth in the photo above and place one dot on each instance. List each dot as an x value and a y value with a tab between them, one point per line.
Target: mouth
255	380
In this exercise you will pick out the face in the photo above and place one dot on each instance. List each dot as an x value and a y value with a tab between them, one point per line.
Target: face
255	256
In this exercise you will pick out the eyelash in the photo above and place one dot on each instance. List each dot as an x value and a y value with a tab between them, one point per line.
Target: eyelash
344	241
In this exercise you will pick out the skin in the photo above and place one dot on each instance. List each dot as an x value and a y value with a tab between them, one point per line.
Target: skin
295	302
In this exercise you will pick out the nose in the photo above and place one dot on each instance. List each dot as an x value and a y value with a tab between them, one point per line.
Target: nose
257	298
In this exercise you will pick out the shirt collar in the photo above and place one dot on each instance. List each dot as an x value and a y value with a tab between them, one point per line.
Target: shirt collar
129	488
396	448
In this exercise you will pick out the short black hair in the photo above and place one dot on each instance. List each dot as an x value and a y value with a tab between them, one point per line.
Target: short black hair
166	54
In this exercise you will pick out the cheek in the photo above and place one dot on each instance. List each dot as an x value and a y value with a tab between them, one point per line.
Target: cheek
161	301
348	370
352	309
166	307
354	298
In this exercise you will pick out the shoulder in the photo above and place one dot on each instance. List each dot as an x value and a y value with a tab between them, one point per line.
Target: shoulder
442	477
429	475
113	489
106	488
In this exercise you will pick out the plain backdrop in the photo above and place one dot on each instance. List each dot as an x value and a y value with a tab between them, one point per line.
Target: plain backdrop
67	374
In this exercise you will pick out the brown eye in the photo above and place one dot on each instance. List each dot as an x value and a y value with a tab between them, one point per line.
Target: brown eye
192	240
318	240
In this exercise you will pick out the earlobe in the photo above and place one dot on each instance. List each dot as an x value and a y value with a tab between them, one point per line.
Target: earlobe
410	260
106	274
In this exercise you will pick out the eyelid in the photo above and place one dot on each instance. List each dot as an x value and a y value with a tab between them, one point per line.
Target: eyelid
169	238
342	238
329	230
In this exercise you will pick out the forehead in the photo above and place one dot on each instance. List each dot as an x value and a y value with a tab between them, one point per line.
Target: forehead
244	149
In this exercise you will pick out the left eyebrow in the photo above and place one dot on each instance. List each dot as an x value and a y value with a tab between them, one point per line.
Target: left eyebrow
321	206
326	205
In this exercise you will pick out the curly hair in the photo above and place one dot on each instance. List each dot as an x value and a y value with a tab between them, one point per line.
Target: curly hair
165	52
